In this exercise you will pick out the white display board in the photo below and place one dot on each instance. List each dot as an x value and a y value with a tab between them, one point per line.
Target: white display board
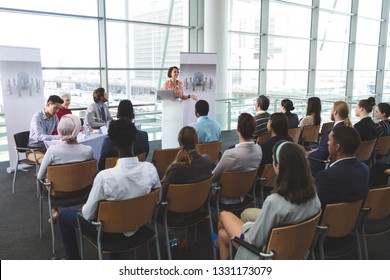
21	89
198	74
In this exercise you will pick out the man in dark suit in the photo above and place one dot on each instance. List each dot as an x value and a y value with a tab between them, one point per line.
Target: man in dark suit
347	178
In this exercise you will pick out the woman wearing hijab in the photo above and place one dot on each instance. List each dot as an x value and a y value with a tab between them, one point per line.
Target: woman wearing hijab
68	152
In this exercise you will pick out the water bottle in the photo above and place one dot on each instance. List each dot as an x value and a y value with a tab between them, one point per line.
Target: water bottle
86	129
174	242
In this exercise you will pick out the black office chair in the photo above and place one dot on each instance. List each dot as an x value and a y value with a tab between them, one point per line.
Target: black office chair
21	147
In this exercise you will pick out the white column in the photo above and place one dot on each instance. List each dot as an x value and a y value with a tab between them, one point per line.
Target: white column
216	41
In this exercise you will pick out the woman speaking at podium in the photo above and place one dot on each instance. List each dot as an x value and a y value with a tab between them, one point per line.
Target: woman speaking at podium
177	86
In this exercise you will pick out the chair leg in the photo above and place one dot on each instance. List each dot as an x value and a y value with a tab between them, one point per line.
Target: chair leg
52	228
167	240
13	181
40	218
156	237
365	250
358	245
148	248
81	244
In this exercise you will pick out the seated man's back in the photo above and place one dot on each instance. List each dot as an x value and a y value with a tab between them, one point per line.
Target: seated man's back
347	179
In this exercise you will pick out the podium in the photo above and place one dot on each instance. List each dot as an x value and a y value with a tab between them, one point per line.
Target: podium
172	122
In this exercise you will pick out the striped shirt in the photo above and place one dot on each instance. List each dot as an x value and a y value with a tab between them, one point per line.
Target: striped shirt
383	128
261	118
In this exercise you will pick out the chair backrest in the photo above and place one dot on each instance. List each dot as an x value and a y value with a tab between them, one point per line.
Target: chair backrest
110	162
294	241
326	127
127	215
262	138
72	177
213	149
163	158
185	198
21	140
310	133
378	200
365	150
294	133
235	184
383	145
341	218
268	176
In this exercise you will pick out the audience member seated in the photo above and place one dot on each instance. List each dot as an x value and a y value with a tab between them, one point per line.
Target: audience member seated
208	130
71	151
277	126
65	96
141	145
339	114
382	113
347	178
313	112
286	106
129	179
188	167
42	126
261	117
97	113
366	127
245	156
294	200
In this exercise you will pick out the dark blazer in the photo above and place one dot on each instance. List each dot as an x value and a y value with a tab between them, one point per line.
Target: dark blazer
199	170
321	153
345	181
292	120
267	147
367	129
141	146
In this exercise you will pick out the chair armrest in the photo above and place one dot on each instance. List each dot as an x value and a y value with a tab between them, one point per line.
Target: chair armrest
247	246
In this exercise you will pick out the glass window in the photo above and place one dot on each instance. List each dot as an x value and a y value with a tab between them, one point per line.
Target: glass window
363	81
386	87
73	46
285	53
331	84
333	27
243	83
367	31
331	56
340	6
370	8
79	83
84	7
245	15
366	57
149	10
287	83
244	51
142	45
289	20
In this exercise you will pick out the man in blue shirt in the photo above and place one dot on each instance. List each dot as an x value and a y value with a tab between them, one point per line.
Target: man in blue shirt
42	126
208	130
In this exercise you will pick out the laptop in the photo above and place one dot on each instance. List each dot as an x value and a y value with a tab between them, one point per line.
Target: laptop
166	95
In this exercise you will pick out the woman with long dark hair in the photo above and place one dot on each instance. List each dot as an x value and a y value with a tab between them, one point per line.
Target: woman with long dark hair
293	200
313	112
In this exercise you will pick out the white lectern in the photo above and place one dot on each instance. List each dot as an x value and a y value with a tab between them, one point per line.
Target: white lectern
172	122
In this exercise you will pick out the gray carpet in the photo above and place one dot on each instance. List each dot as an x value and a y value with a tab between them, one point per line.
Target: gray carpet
19	234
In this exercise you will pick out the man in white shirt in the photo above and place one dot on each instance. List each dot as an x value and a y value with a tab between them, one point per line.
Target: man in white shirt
130	178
